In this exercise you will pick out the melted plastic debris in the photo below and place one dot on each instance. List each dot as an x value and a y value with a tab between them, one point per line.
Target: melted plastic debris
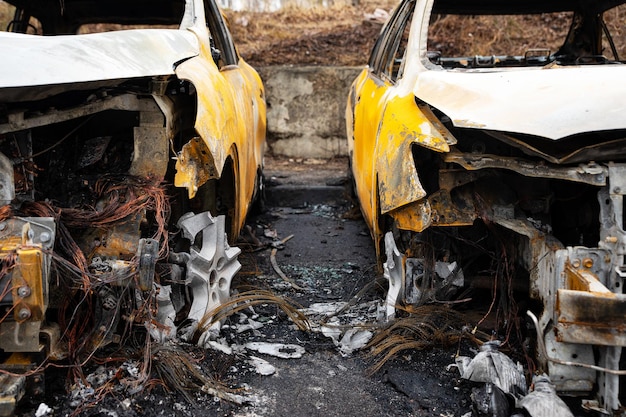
353	340
493	366
220	345
262	366
324	309
43	410
543	400
280	350
490	401
344	323
248	325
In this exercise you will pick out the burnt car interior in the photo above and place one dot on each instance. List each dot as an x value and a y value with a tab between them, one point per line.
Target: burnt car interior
66	17
582	33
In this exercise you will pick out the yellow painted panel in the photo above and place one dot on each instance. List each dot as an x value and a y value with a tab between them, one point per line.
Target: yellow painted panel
403	125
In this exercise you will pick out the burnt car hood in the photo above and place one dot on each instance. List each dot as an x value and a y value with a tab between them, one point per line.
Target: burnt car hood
30	60
552	102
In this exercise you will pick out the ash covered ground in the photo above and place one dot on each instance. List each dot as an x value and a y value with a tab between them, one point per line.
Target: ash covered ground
262	363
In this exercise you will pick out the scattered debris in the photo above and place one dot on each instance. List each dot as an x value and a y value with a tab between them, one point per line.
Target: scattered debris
354	339
272	234
425	326
43	410
221	346
281	273
247	299
280	350
249	325
344	323
543	400
324	309
261	366
494	367
489	401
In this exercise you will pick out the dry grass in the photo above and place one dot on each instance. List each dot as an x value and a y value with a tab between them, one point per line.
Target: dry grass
336	35
497	35
514	35
340	34
6	14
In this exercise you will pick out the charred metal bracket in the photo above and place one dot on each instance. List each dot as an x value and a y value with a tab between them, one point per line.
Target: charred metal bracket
543	256
415	216
586	309
445	212
581	290
7	186
591	173
31	239
22	120
452	178
12	389
147	253
211	267
151	153
106	318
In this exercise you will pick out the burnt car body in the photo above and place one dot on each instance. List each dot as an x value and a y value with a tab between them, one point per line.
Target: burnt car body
131	141
505	167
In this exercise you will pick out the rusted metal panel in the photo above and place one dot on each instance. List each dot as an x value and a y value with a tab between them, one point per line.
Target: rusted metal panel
586	317
585	280
415	216
445	212
592	173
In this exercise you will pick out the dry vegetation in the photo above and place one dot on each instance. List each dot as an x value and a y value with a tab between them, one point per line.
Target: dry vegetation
6	14
342	34
336	35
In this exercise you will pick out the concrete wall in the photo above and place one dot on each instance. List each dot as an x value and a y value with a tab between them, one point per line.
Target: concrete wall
306	110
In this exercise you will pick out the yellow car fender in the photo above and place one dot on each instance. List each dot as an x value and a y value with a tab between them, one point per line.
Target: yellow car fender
404	124
229	126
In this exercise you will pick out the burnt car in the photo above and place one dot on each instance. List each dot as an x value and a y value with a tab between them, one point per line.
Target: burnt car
131	147
487	143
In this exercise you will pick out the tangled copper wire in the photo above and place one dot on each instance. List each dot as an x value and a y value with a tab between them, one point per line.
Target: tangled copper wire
118	198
